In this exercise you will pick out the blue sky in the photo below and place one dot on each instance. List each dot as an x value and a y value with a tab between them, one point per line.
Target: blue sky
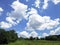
36	18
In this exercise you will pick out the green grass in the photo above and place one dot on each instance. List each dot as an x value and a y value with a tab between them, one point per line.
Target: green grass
35	42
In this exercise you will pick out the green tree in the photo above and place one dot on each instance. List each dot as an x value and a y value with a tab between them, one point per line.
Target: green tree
7	36
3	36
12	36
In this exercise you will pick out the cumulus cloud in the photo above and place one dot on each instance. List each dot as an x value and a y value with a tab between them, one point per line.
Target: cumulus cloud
54	32
12	20
39	37
45	4
37	3
56	1
16	15
24	34
34	34
45	34
5	24
37	22
1	10
19	10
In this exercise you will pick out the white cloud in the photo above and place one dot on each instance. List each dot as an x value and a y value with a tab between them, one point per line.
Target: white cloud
24	34
19	11
16	15
10	20
52	32
1	10
18	33
39	37
32	11
45	34
45	4
37	22
34	34
37	3
56	31
5	25
56	1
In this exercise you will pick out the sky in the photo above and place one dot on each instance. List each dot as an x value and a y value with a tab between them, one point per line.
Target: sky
36	18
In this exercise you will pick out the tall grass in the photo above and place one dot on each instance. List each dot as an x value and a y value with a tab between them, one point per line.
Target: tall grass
35	42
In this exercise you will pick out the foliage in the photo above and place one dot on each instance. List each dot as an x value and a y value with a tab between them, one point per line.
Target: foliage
7	36
53	37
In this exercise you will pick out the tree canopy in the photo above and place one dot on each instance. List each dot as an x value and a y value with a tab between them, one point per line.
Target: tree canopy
7	36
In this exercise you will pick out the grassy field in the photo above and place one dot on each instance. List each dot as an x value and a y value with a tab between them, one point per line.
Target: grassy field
35	42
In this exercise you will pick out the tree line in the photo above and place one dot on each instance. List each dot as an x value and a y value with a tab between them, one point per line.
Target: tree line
53	37
50	38
11	36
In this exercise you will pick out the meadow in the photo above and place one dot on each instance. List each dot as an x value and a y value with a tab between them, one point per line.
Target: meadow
35	42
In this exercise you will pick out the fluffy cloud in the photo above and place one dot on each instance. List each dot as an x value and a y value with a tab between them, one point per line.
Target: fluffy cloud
37	22
12	20
45	34
24	34
54	32
45	4
34	34
1	10
16	15
56	1
19	10
5	24
39	37
37	3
